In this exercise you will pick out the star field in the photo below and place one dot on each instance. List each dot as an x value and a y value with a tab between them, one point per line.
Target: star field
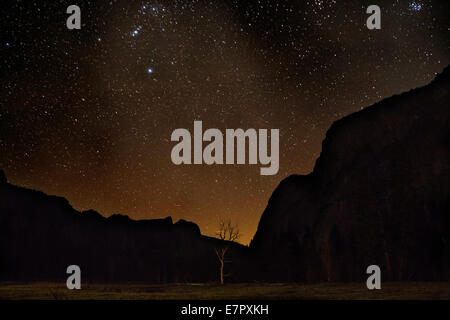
88	114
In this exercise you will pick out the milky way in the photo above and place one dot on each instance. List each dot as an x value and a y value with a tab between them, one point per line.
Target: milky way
88	114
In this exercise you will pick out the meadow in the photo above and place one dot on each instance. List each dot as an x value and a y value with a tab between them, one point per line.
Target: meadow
192	291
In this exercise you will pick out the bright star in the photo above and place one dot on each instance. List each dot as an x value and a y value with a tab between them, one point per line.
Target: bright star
415	6
149	70
136	31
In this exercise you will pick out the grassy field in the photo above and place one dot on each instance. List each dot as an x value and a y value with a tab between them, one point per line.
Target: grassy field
410	290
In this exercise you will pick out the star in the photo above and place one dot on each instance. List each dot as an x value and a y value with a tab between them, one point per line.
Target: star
135	32
415	6
149	70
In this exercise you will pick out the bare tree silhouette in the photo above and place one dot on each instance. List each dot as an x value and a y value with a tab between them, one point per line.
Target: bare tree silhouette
227	232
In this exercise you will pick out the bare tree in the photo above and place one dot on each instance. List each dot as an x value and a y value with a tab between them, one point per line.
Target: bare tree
227	232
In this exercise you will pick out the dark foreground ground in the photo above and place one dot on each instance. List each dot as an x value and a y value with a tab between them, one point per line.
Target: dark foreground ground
410	290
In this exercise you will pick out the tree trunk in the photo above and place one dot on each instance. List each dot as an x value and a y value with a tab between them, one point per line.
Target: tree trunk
221	271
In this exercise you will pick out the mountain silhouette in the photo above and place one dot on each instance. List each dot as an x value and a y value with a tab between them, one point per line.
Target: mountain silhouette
378	194
41	235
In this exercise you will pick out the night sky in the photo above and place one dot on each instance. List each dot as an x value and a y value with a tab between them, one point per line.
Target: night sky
88	114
